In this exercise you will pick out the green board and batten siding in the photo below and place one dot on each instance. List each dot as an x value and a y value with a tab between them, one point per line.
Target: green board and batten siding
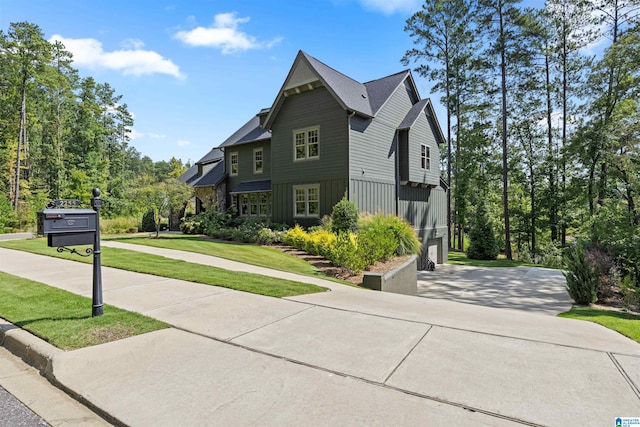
245	163
314	108
372	148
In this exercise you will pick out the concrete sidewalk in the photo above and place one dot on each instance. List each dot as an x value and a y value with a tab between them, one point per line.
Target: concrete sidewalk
345	357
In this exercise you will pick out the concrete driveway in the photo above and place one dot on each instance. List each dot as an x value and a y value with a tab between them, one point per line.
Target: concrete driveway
532	289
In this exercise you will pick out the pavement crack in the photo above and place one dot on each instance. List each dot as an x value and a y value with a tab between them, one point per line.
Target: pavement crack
271	323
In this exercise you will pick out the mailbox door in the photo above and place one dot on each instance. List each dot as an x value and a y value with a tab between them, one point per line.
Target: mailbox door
71	239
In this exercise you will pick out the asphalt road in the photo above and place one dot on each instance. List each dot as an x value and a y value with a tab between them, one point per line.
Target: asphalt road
14	414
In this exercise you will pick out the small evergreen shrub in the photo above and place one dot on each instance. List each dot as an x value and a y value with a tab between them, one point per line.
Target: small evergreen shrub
344	253
148	221
320	242
296	237
483	240
376	244
344	216
582	276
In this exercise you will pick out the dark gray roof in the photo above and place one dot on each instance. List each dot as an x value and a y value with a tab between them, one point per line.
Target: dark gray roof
252	187
413	114
381	89
352	94
211	156
250	131
189	175
212	178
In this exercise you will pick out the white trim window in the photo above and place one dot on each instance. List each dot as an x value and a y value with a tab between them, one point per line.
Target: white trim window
254	204
233	163
306	201
258	160
306	144
425	157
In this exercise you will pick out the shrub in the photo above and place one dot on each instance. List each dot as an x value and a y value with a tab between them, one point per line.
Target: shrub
148	221
582	277
320	242
344	216
119	225
8	220
296	237
344	253
404	235
483	240
376	243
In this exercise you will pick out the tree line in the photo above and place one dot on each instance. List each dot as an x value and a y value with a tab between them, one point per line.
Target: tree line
542	115
62	135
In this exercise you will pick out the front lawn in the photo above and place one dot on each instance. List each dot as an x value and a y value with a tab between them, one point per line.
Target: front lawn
249	254
64	319
625	323
176	269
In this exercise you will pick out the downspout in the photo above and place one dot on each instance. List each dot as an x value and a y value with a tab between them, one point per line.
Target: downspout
349	115
397	164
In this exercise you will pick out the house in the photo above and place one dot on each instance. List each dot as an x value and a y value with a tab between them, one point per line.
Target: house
327	135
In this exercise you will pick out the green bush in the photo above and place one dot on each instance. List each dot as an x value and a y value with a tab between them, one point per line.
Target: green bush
344	216
583	277
148	221
483	240
320	242
344	253
376	244
119	225
404	235
8	220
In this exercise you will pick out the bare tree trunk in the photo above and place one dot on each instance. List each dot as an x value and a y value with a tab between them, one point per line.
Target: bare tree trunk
553	207
505	178
21	135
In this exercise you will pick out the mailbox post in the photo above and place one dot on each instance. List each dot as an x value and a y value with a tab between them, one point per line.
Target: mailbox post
96	204
66	224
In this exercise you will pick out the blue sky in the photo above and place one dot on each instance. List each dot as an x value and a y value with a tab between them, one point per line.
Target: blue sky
192	72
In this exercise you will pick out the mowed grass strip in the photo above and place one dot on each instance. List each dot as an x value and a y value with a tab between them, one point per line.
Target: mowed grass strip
261	256
626	323
176	269
460	258
64	319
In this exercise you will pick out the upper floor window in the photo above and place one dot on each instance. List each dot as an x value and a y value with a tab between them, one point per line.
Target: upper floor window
306	143
257	160
233	159
425	157
306	200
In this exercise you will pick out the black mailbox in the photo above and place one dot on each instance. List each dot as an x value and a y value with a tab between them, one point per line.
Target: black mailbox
67	227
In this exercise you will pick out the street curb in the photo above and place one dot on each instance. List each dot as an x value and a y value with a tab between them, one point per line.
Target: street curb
39	354
31	349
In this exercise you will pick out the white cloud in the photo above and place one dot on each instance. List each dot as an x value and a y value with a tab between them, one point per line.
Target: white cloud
157	136
224	35
132	44
134	134
183	143
391	6
130	61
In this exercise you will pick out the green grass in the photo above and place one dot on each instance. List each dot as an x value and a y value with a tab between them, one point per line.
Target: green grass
625	323
176	269
261	256
460	258
64	319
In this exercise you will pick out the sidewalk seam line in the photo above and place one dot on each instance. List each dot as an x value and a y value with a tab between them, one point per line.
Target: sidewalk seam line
407	355
467	330
617	364
272	322
365	380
